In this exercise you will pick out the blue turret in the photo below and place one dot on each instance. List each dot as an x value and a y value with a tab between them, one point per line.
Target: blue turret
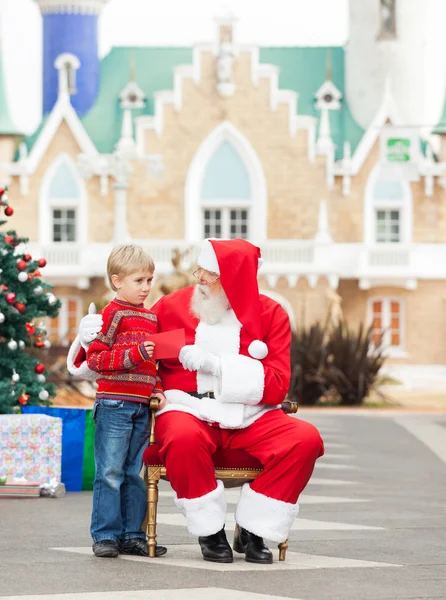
70	27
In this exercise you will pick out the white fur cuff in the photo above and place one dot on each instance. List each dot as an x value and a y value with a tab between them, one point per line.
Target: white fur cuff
266	517
82	372
205	515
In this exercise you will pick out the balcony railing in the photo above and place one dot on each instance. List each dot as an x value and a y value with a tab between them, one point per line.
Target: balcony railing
287	257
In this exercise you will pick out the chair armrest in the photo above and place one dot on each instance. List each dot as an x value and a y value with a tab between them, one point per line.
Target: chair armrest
289	407
153	407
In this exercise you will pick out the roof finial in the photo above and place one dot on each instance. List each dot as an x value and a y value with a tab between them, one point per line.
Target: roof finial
132	66
328	65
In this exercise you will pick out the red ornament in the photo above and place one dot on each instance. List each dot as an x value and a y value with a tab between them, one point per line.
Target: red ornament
8	239
10	297
39	343
27	257
20	307
30	328
41	262
21	265
39	368
2	191
3	287
24	399
9	211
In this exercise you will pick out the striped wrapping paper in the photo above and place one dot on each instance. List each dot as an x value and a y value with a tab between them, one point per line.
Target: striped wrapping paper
20	490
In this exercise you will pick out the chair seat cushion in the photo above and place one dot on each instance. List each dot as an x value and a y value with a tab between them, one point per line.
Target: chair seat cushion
223	458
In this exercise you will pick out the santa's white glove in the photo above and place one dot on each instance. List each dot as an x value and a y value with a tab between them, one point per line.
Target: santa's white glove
193	358
89	327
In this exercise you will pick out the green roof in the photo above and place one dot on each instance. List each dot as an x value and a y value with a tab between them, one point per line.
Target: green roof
302	69
7	126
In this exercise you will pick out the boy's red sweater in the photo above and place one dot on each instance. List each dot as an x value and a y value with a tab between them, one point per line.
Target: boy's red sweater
118	354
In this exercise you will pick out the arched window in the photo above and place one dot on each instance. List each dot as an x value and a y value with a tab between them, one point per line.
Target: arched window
388	211
62	204
225	194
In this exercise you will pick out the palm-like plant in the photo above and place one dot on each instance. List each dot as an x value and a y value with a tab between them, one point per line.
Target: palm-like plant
353	363
308	365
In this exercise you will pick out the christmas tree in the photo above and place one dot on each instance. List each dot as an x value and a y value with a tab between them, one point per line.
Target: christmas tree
24	301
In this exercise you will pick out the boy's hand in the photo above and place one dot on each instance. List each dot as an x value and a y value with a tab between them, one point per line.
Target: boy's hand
162	398
149	348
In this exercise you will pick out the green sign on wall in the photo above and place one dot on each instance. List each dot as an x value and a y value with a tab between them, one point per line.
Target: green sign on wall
398	150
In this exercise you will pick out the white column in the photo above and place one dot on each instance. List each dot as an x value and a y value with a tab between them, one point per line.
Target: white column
120	235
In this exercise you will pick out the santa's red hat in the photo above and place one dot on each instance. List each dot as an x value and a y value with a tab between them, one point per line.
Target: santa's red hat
237	262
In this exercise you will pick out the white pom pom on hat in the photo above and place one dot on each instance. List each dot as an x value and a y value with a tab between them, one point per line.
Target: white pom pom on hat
258	349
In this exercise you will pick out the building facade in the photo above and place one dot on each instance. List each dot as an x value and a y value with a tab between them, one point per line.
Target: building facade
322	156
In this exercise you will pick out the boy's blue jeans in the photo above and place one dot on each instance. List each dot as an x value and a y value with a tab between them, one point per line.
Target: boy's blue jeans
119	493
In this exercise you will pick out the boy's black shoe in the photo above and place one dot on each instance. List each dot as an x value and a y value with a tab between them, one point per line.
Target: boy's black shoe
138	546
106	549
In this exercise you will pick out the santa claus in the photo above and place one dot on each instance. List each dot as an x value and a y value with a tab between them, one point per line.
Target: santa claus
224	391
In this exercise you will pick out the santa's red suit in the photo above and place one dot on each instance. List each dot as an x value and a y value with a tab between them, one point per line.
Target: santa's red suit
249	378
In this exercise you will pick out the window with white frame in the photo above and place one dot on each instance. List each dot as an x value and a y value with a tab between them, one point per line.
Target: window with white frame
386	315
64	225
226	195
388	226
63	329
388	214
387	13
64	200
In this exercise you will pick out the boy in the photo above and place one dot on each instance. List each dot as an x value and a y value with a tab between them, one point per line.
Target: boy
122	355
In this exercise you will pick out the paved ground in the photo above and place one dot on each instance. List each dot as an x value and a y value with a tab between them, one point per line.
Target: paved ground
372	526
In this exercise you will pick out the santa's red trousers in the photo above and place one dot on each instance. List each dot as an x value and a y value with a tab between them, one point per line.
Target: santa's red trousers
287	447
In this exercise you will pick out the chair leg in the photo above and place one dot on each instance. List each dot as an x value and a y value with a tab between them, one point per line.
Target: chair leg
152	504
283	547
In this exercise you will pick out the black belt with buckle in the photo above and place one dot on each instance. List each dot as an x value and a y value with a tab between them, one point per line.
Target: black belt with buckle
205	395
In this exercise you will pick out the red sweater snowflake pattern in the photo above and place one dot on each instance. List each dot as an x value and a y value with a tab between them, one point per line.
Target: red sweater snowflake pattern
118	354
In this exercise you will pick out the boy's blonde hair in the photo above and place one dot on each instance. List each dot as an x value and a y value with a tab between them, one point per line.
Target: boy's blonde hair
127	259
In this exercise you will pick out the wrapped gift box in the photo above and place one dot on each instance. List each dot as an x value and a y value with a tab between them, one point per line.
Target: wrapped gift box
78	467
20	490
30	448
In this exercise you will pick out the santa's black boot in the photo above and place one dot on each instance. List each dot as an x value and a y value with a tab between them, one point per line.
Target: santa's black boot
215	547
252	547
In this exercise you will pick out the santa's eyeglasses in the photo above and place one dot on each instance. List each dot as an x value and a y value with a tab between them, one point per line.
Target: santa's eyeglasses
206	277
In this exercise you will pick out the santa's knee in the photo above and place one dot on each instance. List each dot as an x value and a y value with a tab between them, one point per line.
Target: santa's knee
307	444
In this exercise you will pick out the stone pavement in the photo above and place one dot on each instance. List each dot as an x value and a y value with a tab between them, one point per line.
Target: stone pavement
372	526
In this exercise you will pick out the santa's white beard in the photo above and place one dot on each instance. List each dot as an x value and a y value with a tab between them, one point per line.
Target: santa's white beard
207	307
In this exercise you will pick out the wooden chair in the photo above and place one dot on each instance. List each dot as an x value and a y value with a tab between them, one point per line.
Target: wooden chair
233	467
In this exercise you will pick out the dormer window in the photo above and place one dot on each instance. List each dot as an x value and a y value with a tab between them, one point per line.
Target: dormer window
328	97
67	65
387	16
132	96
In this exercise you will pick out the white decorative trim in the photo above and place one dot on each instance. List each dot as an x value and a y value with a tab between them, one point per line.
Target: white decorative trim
323	229
132	88
83	7
404	206
45	203
62	110
266	517
82	372
205	515
328	88
193	216
388	111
